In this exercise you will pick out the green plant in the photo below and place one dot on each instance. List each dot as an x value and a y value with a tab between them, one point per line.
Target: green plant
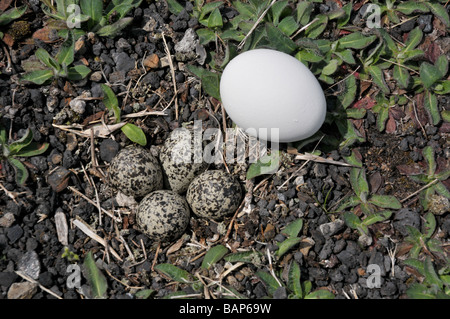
431	178
133	132
291	231
97	280
383	108
91	16
423	240
12	14
296	288
431	79
435	284
368	203
70	255
58	66
23	147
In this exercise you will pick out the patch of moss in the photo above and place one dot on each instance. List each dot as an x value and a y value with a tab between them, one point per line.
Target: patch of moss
19	30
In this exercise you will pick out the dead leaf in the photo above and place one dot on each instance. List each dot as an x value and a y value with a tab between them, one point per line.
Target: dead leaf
365	103
4	4
391	125
414	169
9	41
376	181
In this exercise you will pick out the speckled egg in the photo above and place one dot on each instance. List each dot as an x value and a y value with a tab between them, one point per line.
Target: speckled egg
163	215
214	194
178	161
135	172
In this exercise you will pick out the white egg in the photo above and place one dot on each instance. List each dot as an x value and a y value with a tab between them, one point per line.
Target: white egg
264	90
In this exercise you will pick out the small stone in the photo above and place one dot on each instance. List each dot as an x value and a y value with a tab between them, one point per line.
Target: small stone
280	293
78	106
152	61
188	43
22	290
123	44
108	149
123	62
29	264
59	179
404	217
52	103
329	229
96	76
7	278
7	220
14	233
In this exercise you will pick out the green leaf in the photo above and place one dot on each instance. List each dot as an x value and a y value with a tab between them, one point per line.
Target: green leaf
175	7
443	87
315	29
294	283
330	68
208	8
277	9
353	221
401	75
253	257
215	20
442	190
66	53
94	9
385	201
320	294
414	234
346	56
286	245
414	39
411	6
377	217
378	78
353	160
267	164
25	140
33	149
293	228
355	113
211	84
95	277
439	11
359	183
304	10
430	273
174	273
430	225
144	293
428	154
134	133
20	170
419	291
288	25
270	282
12	14
429	74
279	40
441	65
343	20
206	35
213	255
412	262
45	58
356	40
78	72
349	93
110	101
352	201
349	133
114	29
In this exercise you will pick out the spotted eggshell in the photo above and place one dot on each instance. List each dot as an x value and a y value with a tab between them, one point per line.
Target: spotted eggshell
178	161
214	194
135	172
163	215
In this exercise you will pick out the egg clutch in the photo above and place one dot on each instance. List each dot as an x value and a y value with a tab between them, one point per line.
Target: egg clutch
261	90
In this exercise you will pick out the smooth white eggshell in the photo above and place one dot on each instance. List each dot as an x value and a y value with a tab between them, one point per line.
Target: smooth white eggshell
265	89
